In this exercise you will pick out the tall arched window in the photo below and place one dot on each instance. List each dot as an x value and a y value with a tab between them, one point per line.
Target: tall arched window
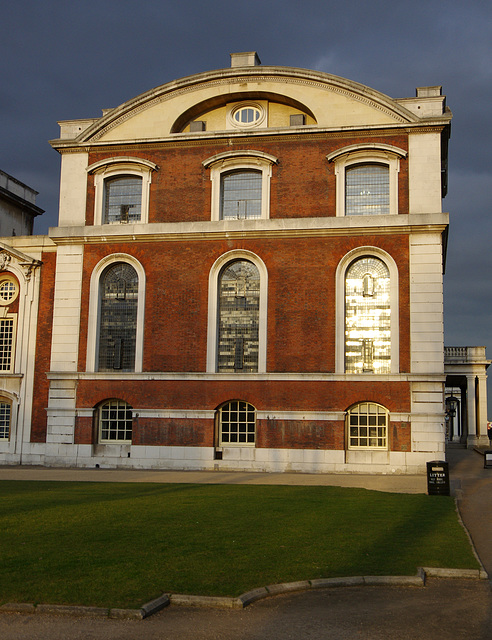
238	317
240	195
118	318
367	317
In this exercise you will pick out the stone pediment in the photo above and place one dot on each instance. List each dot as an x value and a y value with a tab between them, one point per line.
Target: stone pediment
328	101
9	255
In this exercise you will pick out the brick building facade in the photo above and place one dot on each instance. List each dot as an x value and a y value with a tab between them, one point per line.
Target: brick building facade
247	274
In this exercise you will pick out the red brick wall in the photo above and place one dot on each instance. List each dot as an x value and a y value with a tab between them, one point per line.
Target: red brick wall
185	432
297	434
266	395
84	429
43	348
301	298
303	181
400	436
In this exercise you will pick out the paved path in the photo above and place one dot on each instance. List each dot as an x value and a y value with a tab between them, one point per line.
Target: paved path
444	609
392	483
472	485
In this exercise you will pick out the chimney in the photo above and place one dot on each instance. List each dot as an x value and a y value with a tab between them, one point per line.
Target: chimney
247	59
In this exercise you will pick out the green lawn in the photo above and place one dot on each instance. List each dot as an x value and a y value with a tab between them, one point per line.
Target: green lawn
121	545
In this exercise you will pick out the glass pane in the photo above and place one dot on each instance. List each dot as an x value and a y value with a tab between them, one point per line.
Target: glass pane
118	318
241	427
238	330
367	318
4	420
363	431
6	343
367	190
116	421
122	199
241	195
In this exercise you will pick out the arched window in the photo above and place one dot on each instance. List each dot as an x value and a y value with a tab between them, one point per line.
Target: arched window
367	178
238	317
5	414
121	189
367	190
118	317
115	421
367	317
367	426
122	199
240	184
240	195
236	424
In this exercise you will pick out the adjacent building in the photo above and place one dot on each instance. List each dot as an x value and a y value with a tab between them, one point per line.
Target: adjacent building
246	274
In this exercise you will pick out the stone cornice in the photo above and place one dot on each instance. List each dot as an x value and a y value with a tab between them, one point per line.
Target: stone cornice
273	376
435	125
248	229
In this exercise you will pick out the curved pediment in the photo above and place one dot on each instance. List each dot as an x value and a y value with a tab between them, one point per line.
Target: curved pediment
325	101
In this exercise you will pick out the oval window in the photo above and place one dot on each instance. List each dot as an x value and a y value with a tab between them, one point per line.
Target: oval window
247	115
8	290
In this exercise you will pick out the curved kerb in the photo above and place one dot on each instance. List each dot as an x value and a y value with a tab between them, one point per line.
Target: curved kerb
225	602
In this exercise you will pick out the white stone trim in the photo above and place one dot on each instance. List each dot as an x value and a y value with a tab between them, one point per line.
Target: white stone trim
361	154
205	414
237	254
178	414
252	228
122	165
343	265
232	161
66	308
94	309
301	416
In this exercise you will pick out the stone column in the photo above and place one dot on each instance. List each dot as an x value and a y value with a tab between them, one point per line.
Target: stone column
483	440
471	413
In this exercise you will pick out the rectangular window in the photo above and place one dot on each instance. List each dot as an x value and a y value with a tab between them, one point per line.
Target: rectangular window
123	199
115	422
241	195
237	423
6	343
4	420
367	427
367	190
